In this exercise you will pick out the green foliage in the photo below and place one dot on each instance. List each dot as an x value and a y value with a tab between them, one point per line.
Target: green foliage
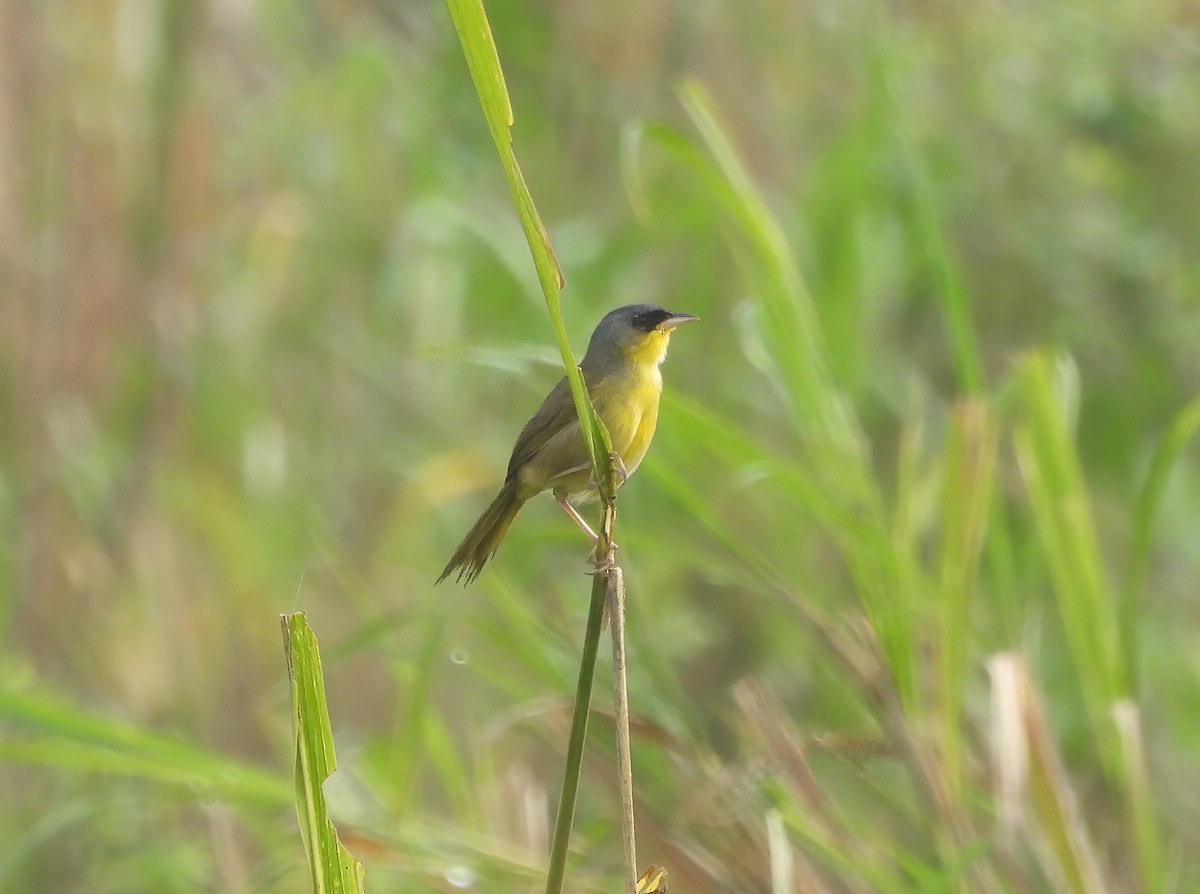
910	565
333	868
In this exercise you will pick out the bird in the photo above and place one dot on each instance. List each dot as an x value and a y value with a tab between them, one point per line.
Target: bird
621	371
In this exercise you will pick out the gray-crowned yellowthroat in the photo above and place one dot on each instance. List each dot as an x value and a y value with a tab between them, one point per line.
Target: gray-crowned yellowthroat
621	371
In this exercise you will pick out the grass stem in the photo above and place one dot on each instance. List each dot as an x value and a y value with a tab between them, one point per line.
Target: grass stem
616	612
579	723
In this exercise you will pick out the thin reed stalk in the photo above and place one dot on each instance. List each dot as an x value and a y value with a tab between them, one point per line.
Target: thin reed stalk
616	612
579	716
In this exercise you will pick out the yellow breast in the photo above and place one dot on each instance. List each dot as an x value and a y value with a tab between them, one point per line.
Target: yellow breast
629	409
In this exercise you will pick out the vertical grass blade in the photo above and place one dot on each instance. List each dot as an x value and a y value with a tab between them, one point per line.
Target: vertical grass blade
1183	428
1037	784
177	31
796	343
479	48
579	724
1139	802
410	734
1063	520
952	295
334	869
966	497
475	35
615	597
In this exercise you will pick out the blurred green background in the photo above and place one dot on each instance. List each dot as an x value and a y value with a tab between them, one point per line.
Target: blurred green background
269	326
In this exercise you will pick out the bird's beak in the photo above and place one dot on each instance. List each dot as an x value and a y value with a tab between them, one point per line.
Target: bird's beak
675	320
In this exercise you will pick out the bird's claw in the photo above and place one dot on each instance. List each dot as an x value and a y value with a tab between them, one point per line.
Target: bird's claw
605	565
619	473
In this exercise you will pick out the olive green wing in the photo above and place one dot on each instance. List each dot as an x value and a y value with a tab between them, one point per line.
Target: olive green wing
553	417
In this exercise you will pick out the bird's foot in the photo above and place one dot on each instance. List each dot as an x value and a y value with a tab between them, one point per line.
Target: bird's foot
605	565
619	473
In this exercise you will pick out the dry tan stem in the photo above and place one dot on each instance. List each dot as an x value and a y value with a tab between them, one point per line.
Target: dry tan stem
616	613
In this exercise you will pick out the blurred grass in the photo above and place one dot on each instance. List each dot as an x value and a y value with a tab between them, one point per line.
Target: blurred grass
268	331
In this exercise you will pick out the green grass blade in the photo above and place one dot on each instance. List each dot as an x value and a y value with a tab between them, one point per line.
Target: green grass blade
1139	799
579	723
470	20
475	35
796	343
1066	529
970	465
1057	830
832	441
409	736
1183	429
75	740
793	332
333	868
952	295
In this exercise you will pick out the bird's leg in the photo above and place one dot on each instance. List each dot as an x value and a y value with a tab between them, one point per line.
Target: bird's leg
575	516
599	565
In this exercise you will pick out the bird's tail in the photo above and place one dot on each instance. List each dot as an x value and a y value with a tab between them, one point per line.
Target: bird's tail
485	535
